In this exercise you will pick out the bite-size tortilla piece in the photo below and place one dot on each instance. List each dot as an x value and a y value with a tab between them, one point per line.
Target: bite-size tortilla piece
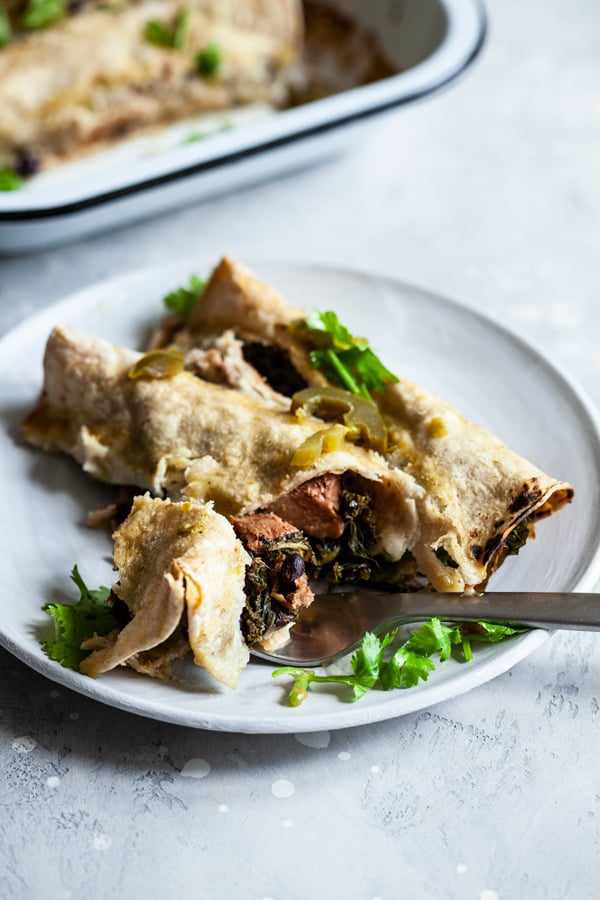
95	77
475	492
180	566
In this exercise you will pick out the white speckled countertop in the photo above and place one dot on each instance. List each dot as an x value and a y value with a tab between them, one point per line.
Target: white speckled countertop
489	193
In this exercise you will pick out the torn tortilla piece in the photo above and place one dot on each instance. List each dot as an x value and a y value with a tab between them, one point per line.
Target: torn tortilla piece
177	561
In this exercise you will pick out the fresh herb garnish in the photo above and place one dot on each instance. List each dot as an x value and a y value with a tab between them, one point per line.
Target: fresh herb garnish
181	30
347	361
174	37
74	623
158	33
183	300
409	664
209	60
196	136
42	13
10	180
5	29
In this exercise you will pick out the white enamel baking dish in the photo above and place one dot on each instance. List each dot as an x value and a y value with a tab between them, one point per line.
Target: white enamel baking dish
431	41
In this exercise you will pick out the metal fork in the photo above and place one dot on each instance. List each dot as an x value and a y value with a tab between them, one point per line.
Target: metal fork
334	624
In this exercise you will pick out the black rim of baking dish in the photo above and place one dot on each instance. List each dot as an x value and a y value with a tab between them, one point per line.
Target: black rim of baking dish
237	156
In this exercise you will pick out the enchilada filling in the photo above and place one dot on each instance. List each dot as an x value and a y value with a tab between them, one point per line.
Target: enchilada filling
325	532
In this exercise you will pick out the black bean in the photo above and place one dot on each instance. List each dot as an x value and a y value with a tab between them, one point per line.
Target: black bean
26	162
292	569
275	366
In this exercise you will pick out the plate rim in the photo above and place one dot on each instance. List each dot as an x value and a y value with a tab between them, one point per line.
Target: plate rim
497	663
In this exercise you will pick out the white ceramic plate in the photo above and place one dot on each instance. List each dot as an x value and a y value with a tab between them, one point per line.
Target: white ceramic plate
431	42
490	374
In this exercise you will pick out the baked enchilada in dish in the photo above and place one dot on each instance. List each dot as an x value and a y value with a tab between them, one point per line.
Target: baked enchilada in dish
79	75
270	449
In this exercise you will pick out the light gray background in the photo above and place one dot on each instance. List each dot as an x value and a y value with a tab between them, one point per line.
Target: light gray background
489	193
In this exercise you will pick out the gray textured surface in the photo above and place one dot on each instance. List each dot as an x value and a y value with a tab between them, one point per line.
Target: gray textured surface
489	193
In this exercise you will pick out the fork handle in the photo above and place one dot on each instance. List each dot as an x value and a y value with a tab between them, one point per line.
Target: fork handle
577	611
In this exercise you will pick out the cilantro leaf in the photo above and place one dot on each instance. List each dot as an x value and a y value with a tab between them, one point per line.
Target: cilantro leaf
181	31
172	37
430	638
336	335
5	29
411	663
10	180
74	623
366	663
42	13
209	60
346	360
495	631
484	632
183	300
157	33
405	669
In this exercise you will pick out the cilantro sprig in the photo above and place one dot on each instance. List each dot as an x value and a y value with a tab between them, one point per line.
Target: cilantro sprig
408	665
74	623
183	300
347	361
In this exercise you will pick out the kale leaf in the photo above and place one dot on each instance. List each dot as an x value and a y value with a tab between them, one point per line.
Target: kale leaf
257	615
350	558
